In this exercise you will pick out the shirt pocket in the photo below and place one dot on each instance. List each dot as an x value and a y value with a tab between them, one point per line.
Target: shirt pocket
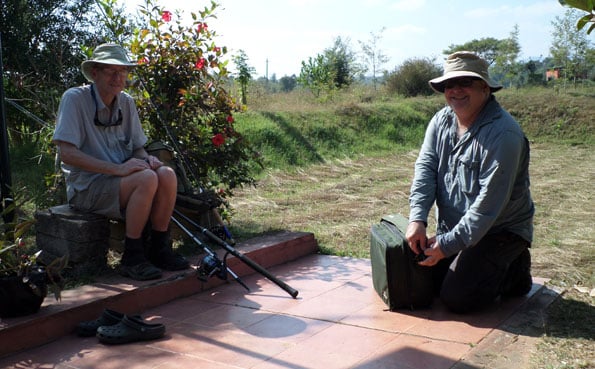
120	148
468	175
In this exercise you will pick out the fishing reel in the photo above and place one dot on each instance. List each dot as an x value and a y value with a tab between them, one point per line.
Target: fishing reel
211	266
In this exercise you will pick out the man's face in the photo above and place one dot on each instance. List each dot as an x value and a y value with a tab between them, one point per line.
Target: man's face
110	79
466	96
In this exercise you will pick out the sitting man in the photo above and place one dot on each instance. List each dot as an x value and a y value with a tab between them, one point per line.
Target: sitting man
474	165
100	141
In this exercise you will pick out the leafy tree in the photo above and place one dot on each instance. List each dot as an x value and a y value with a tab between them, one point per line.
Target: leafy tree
500	54
487	48
317	75
586	5
411	78
342	60
373	56
180	93
335	68
570	50
40	48
505	63
535	72
244	74
288	83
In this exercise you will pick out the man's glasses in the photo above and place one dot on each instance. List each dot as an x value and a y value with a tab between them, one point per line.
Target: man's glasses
464	82
111	123
111	72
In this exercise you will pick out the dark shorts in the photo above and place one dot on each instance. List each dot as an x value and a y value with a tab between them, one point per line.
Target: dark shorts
102	197
473	278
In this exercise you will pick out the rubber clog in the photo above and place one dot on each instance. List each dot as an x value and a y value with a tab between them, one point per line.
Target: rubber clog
107	318
141	272
130	329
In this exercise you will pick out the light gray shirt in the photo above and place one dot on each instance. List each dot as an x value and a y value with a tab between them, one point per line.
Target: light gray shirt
480	182
75	125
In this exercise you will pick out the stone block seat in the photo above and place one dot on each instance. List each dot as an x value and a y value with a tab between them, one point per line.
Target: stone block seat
84	237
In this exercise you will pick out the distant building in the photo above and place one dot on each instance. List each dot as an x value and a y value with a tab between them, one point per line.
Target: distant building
553	73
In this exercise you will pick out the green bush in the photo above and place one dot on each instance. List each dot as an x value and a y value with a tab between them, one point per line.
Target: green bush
411	78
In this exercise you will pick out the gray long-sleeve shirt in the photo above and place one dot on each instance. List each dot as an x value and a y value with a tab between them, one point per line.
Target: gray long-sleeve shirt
480	182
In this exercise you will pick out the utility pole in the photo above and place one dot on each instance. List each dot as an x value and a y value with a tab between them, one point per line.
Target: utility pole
5	178
266	74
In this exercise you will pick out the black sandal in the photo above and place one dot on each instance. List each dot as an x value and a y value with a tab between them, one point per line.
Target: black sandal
107	318
130	329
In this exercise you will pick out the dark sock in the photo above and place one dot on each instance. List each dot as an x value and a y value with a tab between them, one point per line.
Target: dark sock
134	251
159	240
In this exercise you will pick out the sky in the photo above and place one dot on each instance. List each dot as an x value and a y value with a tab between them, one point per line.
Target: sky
277	35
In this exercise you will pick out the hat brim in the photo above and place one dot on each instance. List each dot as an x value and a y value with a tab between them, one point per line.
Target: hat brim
87	66
437	84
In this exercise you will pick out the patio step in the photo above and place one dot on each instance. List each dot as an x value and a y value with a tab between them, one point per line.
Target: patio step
59	318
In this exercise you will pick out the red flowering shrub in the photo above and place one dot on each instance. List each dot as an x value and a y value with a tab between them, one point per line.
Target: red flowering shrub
181	97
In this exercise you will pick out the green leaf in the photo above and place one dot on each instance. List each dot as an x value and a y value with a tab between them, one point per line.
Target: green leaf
585	5
583	21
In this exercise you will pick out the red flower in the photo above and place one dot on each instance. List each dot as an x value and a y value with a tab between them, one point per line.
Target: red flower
166	16
200	63
143	60
229	119
218	139
202	27
217	50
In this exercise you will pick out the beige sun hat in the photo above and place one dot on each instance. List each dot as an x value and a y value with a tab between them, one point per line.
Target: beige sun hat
110	54
464	64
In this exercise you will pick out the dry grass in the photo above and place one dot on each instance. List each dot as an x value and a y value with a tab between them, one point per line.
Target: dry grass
339	200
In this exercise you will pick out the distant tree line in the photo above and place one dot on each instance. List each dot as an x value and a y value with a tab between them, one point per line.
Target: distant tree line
571	53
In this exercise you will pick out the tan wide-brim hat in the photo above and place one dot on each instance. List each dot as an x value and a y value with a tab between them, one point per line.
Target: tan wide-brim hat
109	54
464	64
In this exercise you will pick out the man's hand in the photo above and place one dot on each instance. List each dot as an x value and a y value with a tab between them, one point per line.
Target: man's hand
419	243
136	164
132	165
417	237
433	253
153	162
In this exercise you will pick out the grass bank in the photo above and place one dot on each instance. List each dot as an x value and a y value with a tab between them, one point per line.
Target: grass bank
295	131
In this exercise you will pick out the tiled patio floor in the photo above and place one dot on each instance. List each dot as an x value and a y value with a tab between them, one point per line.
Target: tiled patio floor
337	321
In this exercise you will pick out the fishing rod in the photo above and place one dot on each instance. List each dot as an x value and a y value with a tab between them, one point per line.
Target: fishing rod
220	267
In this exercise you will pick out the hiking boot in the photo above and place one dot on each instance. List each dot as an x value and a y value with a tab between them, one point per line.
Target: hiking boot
518	280
142	271
167	259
